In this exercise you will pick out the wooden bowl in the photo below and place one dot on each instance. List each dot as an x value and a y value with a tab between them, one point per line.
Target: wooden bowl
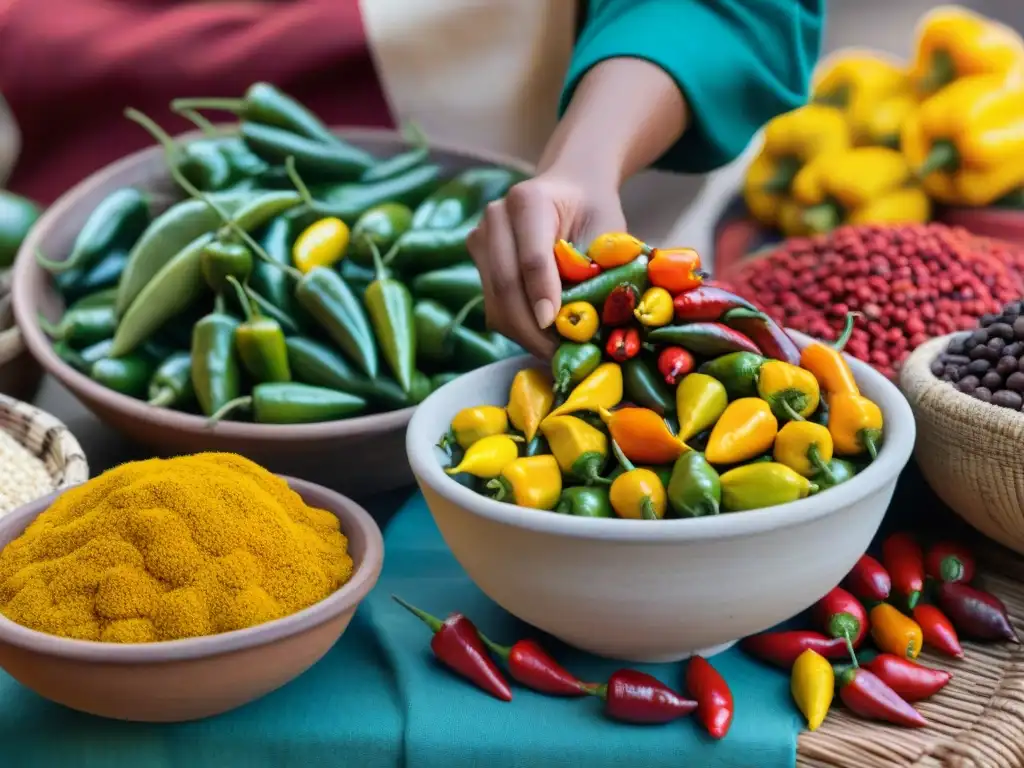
20	374
359	456
199	677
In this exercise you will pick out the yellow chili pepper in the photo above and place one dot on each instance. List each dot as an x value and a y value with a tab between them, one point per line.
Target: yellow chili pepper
967	141
827	364
530	481
700	402
655	308
746	429
866	185
321	244
895	633
806	448
762	484
643	436
580	449
953	42
601	389
577	321
790	390
638	493
613	249
487	457
529	400
813	685
472	424
855	424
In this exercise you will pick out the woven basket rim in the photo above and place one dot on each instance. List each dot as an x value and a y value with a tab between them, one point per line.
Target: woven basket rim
70	466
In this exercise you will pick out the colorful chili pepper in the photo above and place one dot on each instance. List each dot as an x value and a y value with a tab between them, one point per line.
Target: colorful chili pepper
487	457
855	424
389	305
19	215
81	327
615	249
790	390
804	447
171	383
529	481
585	501
316	158
655	308
400	163
636	697
601	389
643	436
426	250
674	363
676	270
381	225
223	259
708	339
762	484
216	374
580	449
260	343
707	303
839	471
694	488
976	614
714	699
321	244
532	666
529	401
738	371
577	322
457	644
573	266
866	695
457	201
275	402
783	648
643	387
904	561
840	614
767	335
868	580
475	423
572	363
828	365
812	685
746	428
620	305
950	561
908	679
895	633
102	276
597	289
623	344
937	631
638	493
128	375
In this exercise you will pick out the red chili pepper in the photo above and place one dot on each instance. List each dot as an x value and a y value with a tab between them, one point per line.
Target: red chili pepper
456	644
573	266
975	613
908	679
530	665
707	303
866	695
782	648
714	699
675	269
705	339
636	697
905	562
868	580
623	344
674	363
937	631
619	306
770	337
840	614
949	561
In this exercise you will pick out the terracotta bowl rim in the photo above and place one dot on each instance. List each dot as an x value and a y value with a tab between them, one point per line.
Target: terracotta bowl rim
364	577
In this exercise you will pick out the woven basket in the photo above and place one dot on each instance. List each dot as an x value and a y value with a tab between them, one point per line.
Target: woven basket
971	453
47	439
20	374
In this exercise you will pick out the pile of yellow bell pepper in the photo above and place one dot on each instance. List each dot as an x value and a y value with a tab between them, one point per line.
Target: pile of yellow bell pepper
881	140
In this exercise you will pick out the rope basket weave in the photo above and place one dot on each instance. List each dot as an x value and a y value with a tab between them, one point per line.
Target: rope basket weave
20	374
46	438
971	453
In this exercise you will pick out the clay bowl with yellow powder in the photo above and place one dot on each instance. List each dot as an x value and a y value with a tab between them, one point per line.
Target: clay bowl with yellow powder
259	566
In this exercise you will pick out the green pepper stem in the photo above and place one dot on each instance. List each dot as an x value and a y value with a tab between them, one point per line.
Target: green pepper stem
814	456
239	403
55	267
941	72
789	410
849	649
499	488
378	260
600	690
942	157
647	509
243	300
838	97
200	122
388	257
812	488
460	317
433	622
234	106
713	503
413	133
163	398
840	343
822	218
621	457
869	438
51	330
219	306
951	569
785	171
300	185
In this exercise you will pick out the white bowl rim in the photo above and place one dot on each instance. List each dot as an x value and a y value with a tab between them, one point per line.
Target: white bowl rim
351	593
892	457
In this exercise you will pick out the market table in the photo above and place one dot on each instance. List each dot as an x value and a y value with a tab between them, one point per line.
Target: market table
378	699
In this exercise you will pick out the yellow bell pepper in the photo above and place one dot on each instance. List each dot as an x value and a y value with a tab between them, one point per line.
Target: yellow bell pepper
700	402
655	308
321	244
855	424
762	484
746	429
577	321
806	448
579	449
967	141
530	481
601	389
486	458
953	42
895	633
638	493
866	185
791	391
813	685
529	400
879	124
472	424
856	75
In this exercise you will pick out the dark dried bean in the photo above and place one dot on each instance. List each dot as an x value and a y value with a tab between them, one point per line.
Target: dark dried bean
982	352
1014	350
1015	381
1001	330
992	381
988	319
958	359
1006	365
1008	399
968	384
938	367
980	337
982	394
996	344
956	346
981	366
1018	329
951	372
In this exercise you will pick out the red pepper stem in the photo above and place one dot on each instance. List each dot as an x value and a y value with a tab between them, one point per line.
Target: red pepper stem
851	319
595	689
433	622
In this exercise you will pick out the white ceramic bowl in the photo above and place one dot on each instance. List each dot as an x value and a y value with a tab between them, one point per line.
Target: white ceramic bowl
654	591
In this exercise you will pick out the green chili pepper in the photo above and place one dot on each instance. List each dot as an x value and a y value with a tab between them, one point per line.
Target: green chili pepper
327	297
841	471
216	377
244	163
70	356
118	221
105	274
441	340
221	260
463	196
382	225
644	387
585	501
536	447
389	305
438	380
128	375
204	164
572	363
290	325
260	343
1013	200
82	327
358	277
397	165
316	159
737	371
292	403
451	286
171	383
94	352
596	289
693	488
268	280
17	215
426	249
101	298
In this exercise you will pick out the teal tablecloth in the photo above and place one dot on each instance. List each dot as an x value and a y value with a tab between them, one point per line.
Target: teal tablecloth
379	700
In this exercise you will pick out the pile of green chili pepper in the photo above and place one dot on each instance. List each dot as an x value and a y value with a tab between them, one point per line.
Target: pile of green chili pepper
301	279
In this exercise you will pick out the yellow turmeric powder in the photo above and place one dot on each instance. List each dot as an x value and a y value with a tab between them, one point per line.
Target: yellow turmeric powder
166	549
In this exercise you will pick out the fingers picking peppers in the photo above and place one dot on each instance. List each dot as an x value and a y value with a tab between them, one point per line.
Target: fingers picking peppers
782	649
643	436
937	631
694	488
675	270
904	561
580	450
623	344
487	457
529	481
529	401
577	321
866	695
573	266
636	697
828	365
674	363
655	308
812	684
762	484
615	249
714	699
791	391
746	428
976	614
637	494
895	633
868	580
601	389
950	561
855	424
908	679
597	289
619	306
804	447
475	423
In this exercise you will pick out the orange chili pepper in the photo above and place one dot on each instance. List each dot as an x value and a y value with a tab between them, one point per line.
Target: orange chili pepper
828	365
643	436
614	249
573	266
895	633
675	269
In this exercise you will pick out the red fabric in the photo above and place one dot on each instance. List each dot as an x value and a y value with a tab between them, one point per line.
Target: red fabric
68	69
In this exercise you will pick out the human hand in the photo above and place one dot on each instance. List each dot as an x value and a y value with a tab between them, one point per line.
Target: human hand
514	250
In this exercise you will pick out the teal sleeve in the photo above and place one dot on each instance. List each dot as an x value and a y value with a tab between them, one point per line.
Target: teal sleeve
738	63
